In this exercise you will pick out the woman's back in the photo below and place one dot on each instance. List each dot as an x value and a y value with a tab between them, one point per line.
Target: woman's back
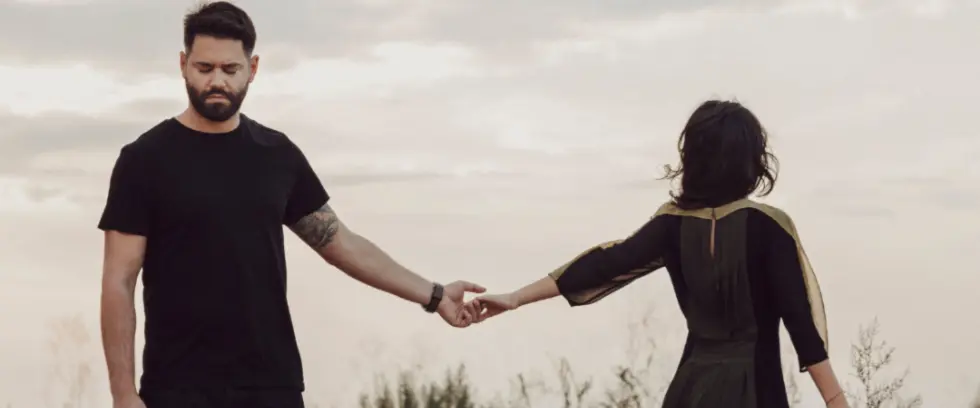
737	270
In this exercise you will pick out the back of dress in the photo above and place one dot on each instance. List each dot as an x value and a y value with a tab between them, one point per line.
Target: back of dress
725	256
713	269
713	264
737	270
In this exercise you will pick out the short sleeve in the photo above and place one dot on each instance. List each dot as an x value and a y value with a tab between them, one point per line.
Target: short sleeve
307	193
127	208
786	280
606	268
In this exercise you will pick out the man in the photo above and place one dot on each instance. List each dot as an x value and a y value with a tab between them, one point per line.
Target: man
199	202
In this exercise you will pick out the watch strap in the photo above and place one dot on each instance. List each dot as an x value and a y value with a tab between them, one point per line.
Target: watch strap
436	298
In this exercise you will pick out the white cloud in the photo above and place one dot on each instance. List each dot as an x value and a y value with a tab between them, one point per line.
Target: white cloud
609	40
21	195
666	26
547	125
32	90
52	2
859	9
390	66
78	88
83	162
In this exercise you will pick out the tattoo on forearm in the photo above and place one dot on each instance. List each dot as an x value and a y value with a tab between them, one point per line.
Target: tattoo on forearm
318	228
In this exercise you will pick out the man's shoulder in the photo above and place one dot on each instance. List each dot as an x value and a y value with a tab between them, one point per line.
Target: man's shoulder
150	139
265	135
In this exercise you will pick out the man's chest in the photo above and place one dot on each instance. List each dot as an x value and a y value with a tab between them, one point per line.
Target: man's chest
224	191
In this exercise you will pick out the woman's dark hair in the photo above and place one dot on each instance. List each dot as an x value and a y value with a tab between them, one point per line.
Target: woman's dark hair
724	157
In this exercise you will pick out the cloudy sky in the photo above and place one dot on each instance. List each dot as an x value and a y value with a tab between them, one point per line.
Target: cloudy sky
492	141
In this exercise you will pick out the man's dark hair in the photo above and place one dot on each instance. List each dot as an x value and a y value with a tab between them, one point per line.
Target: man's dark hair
724	157
219	19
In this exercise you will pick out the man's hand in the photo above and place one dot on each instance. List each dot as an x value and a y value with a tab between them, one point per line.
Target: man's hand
452	309
132	401
488	306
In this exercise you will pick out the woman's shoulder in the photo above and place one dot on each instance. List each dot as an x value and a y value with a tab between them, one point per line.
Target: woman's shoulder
671	208
763	213
773	217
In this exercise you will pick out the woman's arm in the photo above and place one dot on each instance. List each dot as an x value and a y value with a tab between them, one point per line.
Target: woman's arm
542	289
786	282
487	306
592	275
826	382
606	268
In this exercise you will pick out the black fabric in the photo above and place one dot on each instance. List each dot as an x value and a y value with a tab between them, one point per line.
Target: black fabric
223	398
733	301
212	207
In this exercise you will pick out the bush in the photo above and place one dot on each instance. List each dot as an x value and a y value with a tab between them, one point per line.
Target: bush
870	360
454	392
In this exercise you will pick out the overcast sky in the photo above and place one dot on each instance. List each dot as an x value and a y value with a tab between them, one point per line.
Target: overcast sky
493	141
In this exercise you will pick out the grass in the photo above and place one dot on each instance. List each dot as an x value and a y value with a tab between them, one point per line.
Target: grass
871	383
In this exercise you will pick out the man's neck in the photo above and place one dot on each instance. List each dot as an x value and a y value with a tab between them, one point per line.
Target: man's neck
190	118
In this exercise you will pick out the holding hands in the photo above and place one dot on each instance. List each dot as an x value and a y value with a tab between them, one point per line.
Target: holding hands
459	313
453	309
487	306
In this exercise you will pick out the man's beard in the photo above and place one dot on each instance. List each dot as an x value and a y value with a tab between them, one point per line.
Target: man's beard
218	111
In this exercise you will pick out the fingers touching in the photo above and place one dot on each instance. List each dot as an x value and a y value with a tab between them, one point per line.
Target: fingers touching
462	314
484	308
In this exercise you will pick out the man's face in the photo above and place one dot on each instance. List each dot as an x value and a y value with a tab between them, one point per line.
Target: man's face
217	73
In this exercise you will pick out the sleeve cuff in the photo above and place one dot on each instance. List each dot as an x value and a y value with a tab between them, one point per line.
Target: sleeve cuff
107	226
806	361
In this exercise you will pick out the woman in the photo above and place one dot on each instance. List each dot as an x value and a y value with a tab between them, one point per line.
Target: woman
737	268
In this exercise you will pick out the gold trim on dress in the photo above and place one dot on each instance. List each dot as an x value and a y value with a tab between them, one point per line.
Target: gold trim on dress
814	295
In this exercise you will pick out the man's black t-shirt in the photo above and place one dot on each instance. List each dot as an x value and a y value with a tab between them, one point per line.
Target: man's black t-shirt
212	207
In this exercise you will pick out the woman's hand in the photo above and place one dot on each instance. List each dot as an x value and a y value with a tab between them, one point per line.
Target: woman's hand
487	306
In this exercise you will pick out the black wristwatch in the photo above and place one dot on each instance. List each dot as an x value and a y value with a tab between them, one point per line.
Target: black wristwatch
435	299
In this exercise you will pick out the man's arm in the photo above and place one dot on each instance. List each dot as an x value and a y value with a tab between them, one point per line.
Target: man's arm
122	262
358	257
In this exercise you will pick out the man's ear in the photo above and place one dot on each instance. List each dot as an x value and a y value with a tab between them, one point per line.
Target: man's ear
183	64
253	64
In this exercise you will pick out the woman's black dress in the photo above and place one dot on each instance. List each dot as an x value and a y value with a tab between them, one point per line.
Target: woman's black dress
736	270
